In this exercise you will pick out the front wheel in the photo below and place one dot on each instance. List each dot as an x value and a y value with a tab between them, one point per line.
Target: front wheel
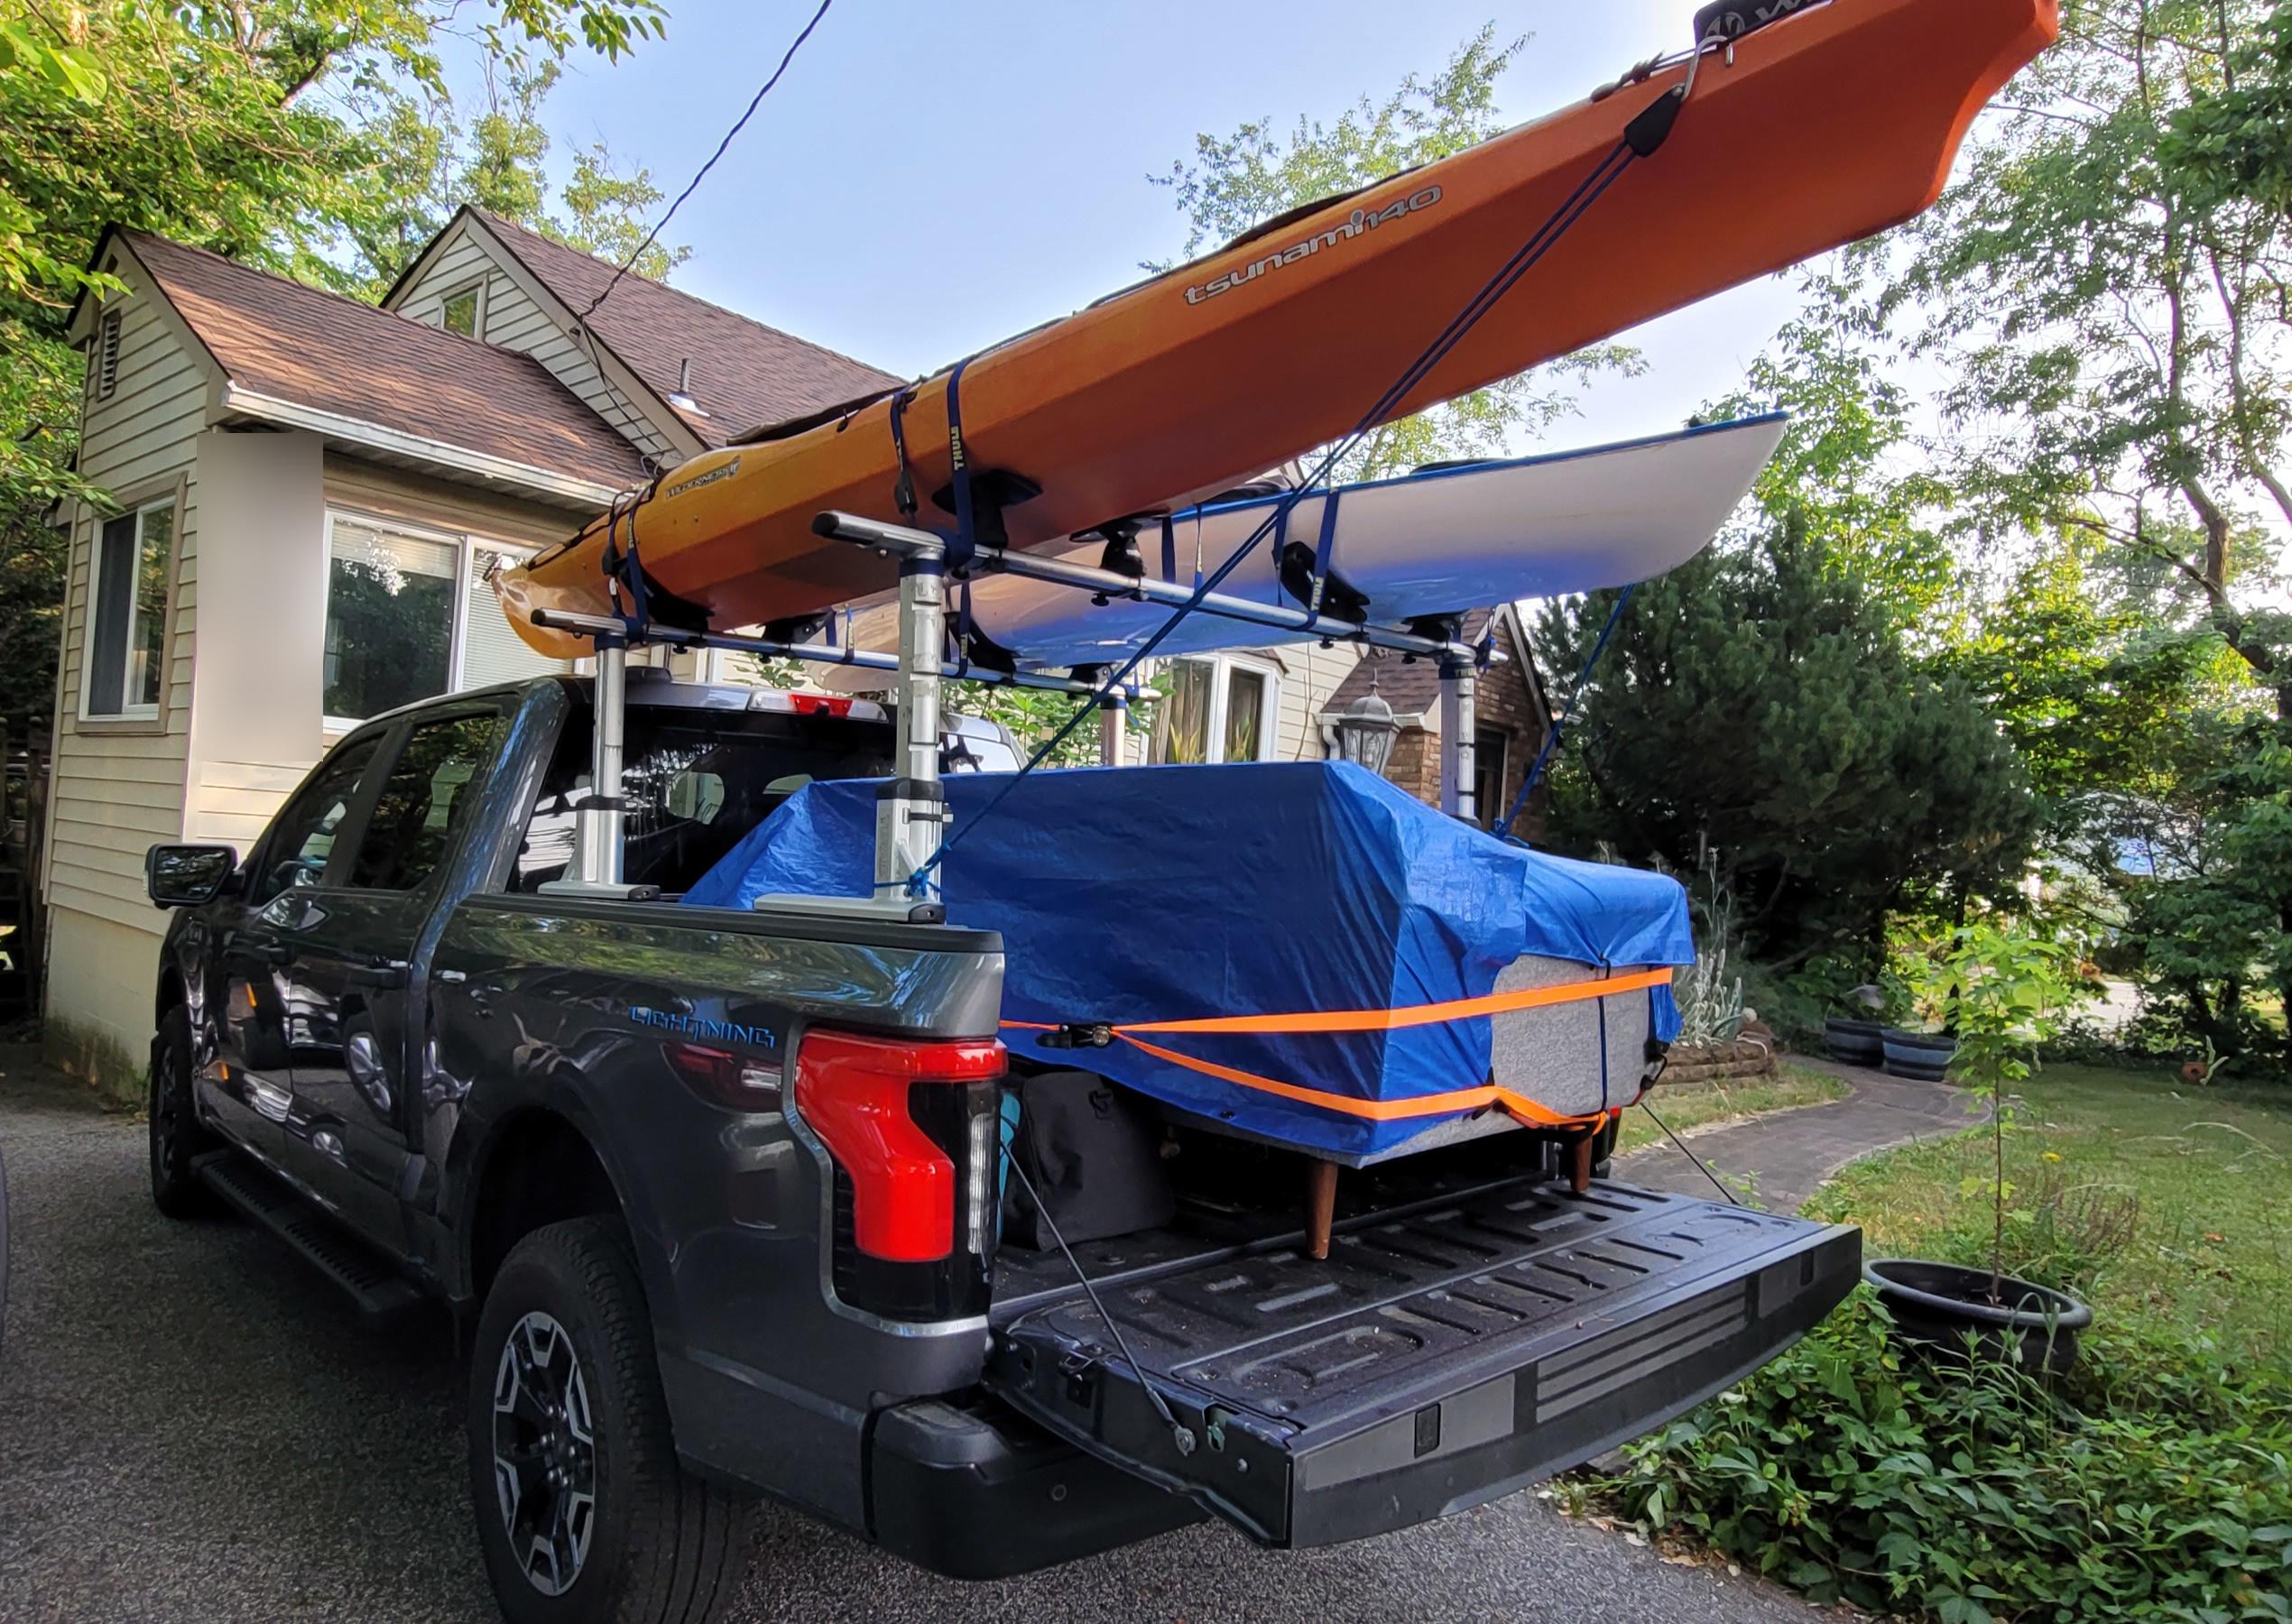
177	1135
583	1510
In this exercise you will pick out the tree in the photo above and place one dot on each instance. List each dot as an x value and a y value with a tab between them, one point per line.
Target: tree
1758	702
301	138
2114	314
1257	171
2105	285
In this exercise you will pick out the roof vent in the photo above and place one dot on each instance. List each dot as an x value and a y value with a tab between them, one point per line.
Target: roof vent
682	399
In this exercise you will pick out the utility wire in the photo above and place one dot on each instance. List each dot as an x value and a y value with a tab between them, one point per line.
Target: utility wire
741	123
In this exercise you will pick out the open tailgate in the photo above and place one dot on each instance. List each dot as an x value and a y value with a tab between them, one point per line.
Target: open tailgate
1442	1356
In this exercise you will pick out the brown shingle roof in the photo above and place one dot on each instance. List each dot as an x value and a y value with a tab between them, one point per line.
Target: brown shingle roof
312	349
744	373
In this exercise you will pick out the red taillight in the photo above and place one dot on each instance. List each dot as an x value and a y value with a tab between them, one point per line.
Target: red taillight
819	704
854	1093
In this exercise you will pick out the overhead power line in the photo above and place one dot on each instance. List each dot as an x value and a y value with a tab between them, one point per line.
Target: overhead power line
739	124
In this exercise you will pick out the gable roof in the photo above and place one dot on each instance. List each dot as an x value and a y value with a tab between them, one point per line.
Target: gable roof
285	342
1413	687
744	374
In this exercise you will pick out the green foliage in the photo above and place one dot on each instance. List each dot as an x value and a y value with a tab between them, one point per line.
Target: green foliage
1262	170
1840	473
1758	702
1858	1474
311	139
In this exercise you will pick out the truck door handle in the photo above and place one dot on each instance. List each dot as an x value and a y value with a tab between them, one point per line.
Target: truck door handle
262	953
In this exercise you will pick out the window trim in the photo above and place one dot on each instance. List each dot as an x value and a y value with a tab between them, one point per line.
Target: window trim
168	491
476	286
463	542
1222	665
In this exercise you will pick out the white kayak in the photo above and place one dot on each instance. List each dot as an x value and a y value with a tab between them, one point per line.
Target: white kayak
1439	541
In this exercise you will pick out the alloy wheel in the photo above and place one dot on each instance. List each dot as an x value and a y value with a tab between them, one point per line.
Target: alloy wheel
544	1453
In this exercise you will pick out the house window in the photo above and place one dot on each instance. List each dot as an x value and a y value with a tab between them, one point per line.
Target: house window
462	310
1217	708
107	354
127	620
1488	775
411	615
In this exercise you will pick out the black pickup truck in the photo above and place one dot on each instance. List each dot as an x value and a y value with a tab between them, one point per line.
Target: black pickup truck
714	1196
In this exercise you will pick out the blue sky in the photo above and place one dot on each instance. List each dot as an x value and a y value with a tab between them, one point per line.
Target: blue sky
930	178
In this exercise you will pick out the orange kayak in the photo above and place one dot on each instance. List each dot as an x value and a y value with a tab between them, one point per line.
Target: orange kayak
1819	129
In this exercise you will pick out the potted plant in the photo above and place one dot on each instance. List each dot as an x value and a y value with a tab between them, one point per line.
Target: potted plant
2003	995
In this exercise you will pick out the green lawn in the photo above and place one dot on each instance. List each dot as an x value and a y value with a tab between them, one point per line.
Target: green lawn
2170	1200
1704	1104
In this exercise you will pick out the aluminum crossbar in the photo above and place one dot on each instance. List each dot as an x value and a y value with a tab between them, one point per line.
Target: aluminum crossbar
898	540
957	670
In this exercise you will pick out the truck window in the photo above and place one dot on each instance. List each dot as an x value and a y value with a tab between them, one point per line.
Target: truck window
424	802
695	781
300	842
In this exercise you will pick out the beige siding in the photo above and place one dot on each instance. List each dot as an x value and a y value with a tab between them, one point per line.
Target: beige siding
1310	675
515	321
116	791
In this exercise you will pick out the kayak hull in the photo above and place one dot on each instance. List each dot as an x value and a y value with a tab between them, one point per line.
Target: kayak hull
1821	129
1440	541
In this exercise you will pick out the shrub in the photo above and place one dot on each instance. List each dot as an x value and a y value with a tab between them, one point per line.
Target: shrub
1858	1474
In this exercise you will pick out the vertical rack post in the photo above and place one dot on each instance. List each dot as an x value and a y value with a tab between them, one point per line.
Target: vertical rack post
910	809
1113	731
600	819
1457	720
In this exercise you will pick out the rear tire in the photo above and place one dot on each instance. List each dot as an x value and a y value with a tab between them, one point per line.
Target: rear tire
178	1138
585	1515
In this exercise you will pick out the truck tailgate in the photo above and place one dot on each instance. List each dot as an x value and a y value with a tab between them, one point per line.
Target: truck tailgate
1442	1356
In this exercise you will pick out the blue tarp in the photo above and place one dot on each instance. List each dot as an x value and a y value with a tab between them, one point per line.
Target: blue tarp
1168	893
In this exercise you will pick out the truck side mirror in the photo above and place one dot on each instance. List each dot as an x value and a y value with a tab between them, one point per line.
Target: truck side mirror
188	876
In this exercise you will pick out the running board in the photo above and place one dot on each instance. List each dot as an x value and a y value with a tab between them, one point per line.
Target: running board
361	1273
1438	1359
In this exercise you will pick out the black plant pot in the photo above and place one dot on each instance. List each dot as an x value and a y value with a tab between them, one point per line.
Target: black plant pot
1924	1055
1856	1042
1938	1304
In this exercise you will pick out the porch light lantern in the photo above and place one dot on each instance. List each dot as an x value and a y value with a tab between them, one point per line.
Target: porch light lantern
1366	729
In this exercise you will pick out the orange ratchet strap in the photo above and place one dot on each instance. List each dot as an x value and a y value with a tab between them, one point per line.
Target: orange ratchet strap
1384	1021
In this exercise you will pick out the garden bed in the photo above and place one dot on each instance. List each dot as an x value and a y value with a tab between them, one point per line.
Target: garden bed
2154	1484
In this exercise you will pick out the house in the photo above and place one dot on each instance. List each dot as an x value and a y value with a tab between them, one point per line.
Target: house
313	495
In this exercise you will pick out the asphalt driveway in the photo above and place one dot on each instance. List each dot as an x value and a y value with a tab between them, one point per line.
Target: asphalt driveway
192	1427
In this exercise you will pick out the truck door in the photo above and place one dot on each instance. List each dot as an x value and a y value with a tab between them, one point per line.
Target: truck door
247	1084
354	956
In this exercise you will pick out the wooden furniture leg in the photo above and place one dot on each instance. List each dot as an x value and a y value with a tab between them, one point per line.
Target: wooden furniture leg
1580	1164
1321	1205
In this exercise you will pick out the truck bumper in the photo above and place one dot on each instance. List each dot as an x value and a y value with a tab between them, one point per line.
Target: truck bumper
975	1490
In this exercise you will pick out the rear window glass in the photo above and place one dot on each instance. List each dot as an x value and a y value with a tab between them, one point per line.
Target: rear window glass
695	781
